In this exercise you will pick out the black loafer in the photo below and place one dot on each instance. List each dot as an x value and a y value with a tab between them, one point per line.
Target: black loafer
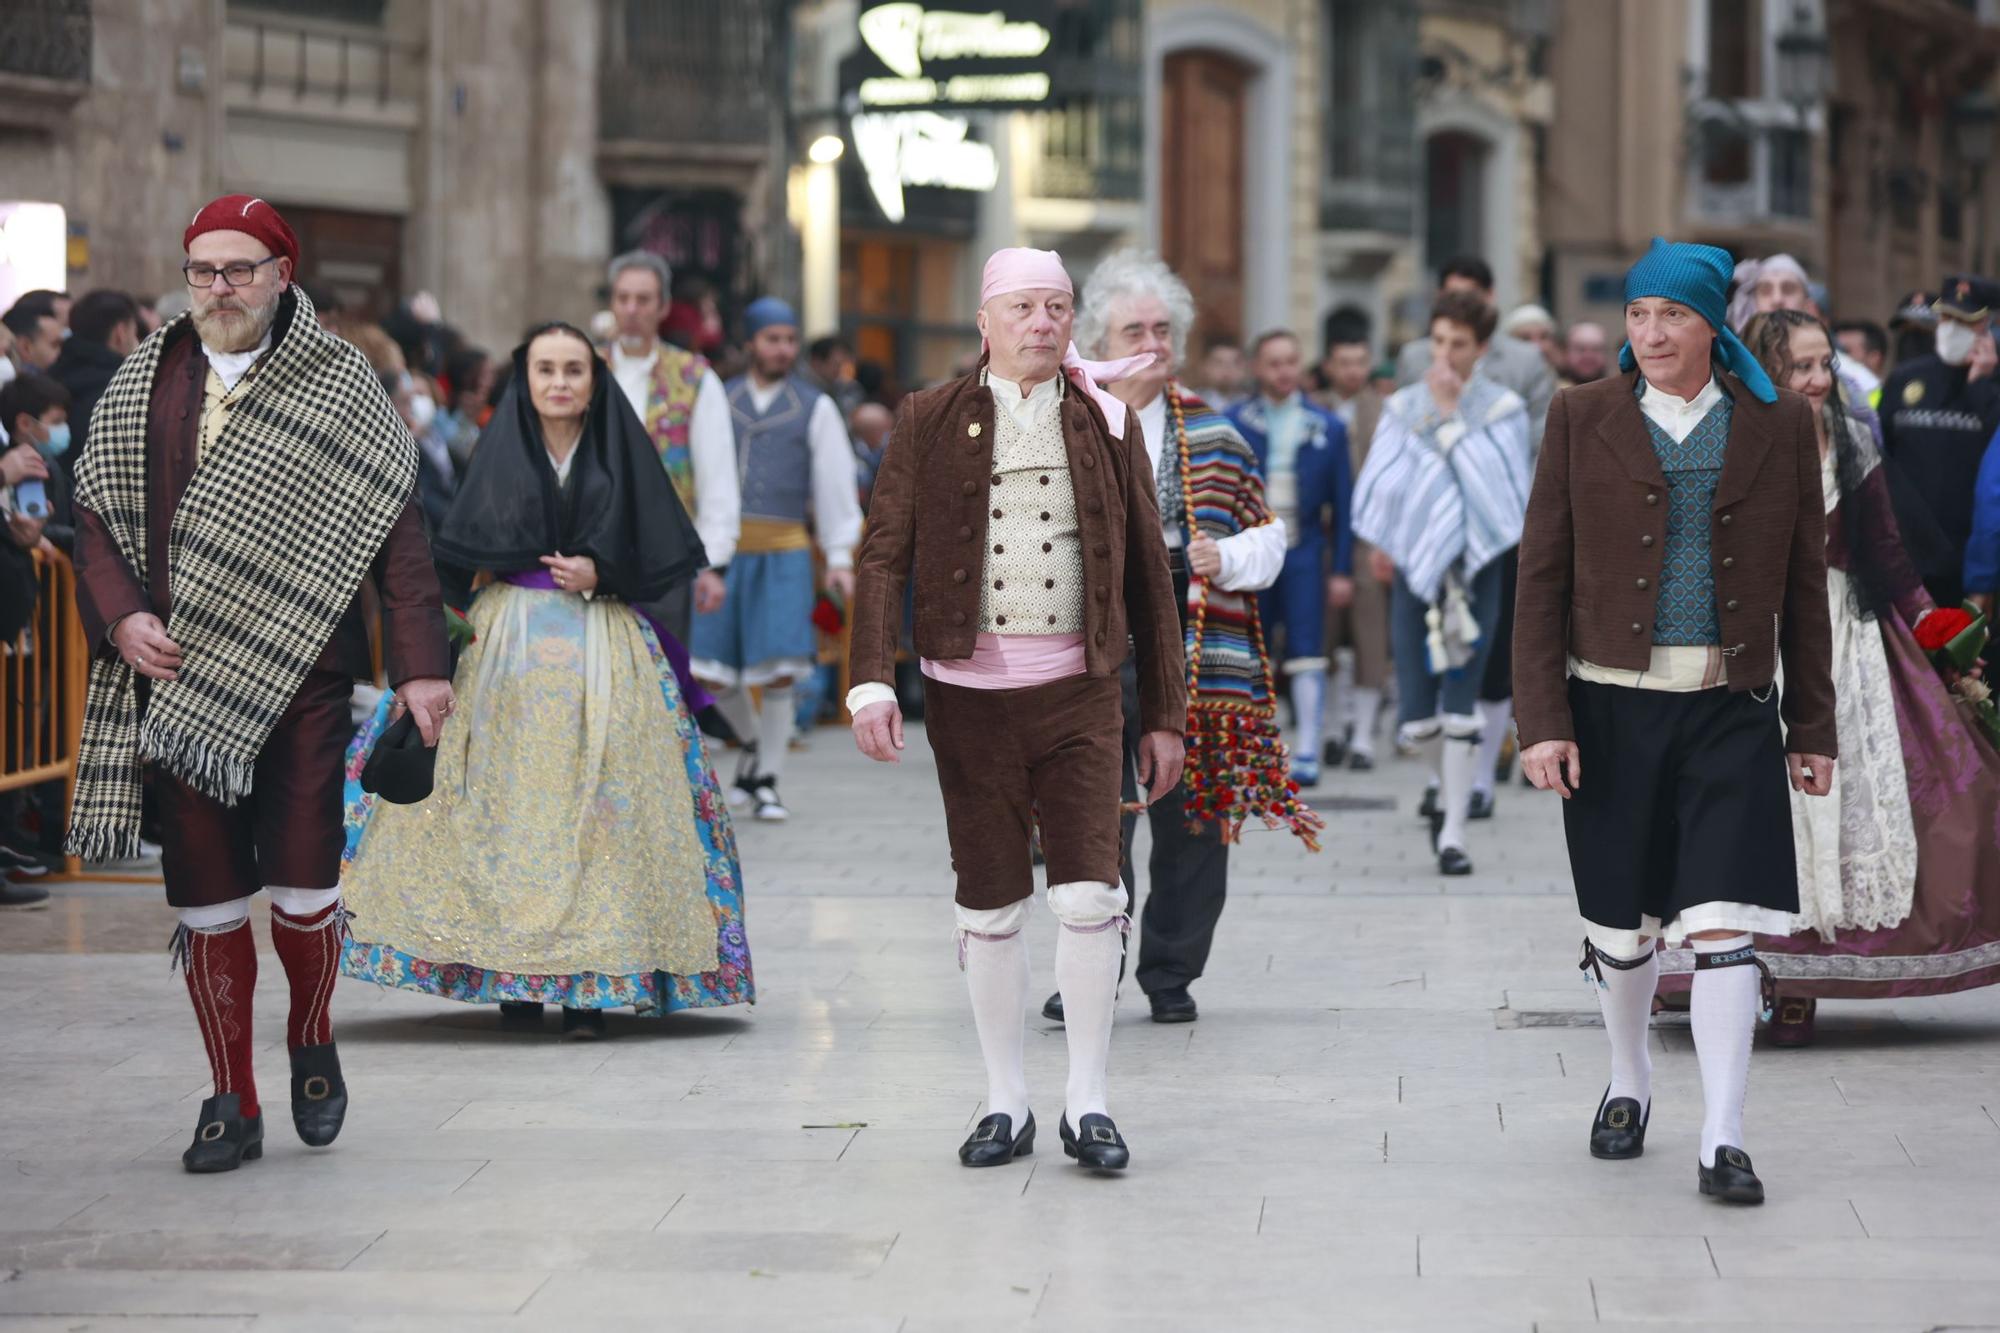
319	1095
1454	861
1358	762
224	1138
1482	805
1052	1008
1095	1143
520	1013
583	1024
1428	809
994	1142
1731	1179
1618	1130
1173	1005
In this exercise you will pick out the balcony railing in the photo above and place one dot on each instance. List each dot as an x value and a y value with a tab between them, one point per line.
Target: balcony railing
696	72
46	39
1089	149
269	54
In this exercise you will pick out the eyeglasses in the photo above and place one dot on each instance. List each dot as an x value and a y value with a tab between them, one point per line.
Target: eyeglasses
239	274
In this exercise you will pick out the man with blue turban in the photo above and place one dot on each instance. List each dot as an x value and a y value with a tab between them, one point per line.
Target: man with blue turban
793	457
1674	560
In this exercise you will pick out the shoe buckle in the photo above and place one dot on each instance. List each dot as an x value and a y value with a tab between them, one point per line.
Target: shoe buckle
316	1088
1618	1117
1103	1134
986	1134
1735	1157
211	1131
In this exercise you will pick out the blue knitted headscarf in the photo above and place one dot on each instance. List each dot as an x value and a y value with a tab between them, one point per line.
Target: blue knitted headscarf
1697	276
766	312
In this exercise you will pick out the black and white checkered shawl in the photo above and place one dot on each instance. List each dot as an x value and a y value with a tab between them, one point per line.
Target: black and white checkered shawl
287	509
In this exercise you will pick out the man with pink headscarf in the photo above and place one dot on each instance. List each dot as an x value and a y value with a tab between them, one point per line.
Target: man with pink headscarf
1020	500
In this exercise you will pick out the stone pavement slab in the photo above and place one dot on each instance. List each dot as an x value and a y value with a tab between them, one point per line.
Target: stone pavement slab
1378	1124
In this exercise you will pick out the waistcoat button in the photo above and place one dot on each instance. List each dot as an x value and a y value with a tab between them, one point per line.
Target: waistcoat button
958	617
996	513
1646	540
1730	605
1636	627
998	584
965	534
1052	620
969	487
997	479
1089	462
1045	479
999	620
1045	516
1652	497
1640	583
998	549
1048	583
958	576
1725	520
1729	562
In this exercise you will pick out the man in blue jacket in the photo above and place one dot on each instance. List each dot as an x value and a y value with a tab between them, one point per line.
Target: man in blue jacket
1982	549
1301	449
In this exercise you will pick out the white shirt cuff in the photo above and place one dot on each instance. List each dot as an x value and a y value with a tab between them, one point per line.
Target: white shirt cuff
839	559
869	692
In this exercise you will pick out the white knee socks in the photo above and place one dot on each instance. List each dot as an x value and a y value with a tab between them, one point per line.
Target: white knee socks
1367	712
1309	709
996	974
734	705
1459	763
1723	1008
1087	961
1495	721
1626	997
774	736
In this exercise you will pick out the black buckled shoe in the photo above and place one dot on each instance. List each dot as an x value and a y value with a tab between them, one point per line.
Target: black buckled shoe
994	1143
584	1025
224	1138
1173	1005
1095	1143
319	1095
1618	1130
1052	1008
1454	861
520	1013
1481	806
1731	1179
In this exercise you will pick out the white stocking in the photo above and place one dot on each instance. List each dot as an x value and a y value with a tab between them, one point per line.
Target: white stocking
1495	720
1459	762
774	737
1309	709
1089	948
1367	711
1723	1010
996	975
1626	997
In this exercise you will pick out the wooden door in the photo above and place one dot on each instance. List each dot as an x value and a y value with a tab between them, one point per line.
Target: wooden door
1202	144
356	257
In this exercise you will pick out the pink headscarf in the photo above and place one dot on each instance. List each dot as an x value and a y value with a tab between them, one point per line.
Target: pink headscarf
1020	269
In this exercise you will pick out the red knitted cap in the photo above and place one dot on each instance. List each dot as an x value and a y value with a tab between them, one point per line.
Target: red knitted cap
249	215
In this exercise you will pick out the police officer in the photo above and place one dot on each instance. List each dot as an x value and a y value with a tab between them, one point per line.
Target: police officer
1938	412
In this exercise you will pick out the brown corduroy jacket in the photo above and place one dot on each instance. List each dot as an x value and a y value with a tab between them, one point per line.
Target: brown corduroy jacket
927	519
1595	540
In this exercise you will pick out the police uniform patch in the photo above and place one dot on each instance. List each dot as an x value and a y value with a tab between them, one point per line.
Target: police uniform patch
1913	393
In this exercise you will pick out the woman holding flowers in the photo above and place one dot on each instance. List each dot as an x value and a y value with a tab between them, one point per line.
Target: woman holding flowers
575	848
1899	874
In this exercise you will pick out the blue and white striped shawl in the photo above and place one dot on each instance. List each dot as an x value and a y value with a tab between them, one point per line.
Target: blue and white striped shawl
1440	491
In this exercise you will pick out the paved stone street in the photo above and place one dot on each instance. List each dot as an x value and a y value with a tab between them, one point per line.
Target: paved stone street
1378	1124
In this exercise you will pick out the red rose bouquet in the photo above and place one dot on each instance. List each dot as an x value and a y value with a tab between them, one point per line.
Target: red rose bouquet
828	615
1955	639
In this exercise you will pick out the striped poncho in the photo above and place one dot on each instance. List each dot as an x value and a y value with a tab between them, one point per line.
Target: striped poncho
1237	766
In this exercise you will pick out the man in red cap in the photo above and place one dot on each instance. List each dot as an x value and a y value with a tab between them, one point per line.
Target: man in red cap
245	472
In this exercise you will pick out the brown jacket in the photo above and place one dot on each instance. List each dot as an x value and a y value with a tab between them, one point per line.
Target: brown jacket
929	512
108	589
1595	537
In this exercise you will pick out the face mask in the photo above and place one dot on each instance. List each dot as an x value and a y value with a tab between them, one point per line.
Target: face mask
422	410
58	442
1954	342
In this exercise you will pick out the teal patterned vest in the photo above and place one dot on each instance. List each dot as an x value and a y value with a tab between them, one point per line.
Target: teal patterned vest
1686	612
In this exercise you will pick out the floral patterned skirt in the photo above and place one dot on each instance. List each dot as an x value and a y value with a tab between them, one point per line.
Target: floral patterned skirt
576	849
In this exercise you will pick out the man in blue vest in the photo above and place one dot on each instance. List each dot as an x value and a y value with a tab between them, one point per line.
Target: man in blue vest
793	459
1301	449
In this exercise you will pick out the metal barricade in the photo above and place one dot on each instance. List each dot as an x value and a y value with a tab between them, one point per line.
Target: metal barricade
43	675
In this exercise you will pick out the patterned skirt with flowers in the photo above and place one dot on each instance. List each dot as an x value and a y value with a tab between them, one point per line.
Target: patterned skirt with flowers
576	848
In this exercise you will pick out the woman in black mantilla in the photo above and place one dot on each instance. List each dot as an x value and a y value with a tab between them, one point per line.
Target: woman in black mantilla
576	849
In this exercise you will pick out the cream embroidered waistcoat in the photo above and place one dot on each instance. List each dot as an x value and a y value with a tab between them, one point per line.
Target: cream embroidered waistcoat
1034	555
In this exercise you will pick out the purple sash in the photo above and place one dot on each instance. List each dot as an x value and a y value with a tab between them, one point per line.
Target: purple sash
692	694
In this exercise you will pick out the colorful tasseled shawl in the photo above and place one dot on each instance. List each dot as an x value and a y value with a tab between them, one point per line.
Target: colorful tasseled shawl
1237	765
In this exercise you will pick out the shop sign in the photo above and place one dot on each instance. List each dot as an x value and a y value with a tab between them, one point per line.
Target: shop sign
919	148
942	57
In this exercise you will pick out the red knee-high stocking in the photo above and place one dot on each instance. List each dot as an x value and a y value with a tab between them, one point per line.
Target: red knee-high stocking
309	947
221	979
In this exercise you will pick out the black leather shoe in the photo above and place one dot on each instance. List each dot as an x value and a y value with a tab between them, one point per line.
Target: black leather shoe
1358	762
1428	808
1618	1130
1052	1008
1332	753
1095	1143
583	1024
1454	861
1173	1005
224	1138
1731	1179
994	1142
1481	806
520	1013
319	1095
